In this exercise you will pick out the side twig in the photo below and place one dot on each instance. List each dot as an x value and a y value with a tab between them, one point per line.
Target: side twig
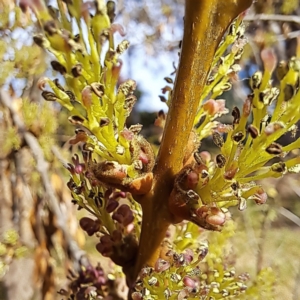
278	18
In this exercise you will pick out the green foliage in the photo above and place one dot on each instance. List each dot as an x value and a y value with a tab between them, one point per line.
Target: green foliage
289	6
43	124
10	248
17	62
11	140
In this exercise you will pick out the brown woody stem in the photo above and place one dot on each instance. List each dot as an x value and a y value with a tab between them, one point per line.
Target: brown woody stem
205	23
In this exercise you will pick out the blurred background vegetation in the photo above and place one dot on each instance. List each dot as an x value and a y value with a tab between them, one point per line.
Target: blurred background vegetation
36	247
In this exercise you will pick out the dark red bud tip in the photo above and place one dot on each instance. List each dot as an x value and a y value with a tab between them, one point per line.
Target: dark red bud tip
104	249
111	205
79	168
89	225
123	215
116	236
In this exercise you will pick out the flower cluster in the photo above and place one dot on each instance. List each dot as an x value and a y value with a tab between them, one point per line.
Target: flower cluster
98	107
117	161
89	283
248	148
113	212
200	271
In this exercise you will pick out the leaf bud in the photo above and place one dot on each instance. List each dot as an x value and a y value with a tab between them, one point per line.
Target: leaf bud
111	10
71	96
136	129
116	236
137	296
86	96
294	64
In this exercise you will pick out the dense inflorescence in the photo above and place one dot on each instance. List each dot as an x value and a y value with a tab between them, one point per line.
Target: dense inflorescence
190	268
248	148
117	162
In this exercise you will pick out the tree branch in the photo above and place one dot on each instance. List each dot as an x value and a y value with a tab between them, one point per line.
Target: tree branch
278	18
42	167
205	23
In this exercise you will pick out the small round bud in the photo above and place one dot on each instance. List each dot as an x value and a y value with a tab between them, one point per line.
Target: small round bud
189	282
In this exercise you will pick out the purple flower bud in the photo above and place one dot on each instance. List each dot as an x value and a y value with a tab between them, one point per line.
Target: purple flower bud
189	282
116	195
105	250
106	239
116	236
161	265
128	219
189	256
123	215
118	217
105	247
89	225
111	205
79	168
100	281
